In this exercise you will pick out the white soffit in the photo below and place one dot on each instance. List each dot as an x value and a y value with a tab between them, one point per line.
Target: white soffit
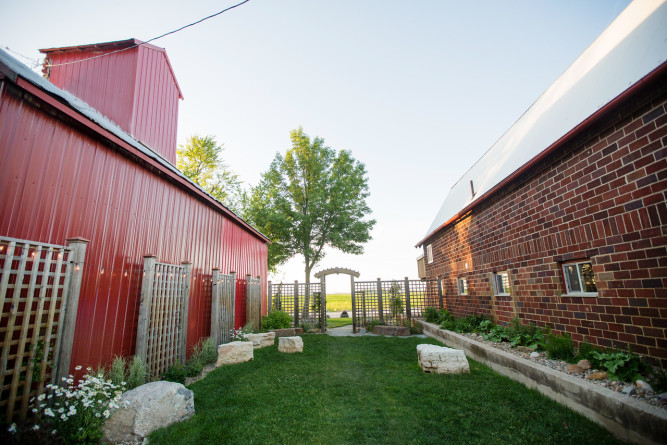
629	49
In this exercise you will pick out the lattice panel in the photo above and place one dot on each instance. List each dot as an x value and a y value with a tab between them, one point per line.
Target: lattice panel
33	291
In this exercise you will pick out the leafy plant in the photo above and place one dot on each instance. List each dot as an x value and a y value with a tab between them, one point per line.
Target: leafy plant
277	320
117	372
176	373
137	372
204	352
306	325
559	347
619	365
431	315
77	413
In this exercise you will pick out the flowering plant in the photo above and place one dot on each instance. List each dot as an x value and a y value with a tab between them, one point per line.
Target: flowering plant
239	334
77	413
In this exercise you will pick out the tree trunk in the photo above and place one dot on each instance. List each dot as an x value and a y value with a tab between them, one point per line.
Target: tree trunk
306	300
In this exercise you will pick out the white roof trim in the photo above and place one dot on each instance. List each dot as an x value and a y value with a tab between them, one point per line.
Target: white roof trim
630	48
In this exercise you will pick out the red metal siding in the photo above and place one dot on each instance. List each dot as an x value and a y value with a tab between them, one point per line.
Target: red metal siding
57	182
134	88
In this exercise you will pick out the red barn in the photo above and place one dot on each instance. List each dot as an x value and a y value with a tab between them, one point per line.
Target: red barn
563	221
91	154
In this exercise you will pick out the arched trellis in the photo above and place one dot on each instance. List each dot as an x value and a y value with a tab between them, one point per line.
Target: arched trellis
322	276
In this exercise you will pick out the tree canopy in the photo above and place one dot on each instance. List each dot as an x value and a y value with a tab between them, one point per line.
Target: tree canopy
310	198
200	159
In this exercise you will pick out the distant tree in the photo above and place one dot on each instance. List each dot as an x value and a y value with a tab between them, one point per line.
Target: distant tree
200	160
311	197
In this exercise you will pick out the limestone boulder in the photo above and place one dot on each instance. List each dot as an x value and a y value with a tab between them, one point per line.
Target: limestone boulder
441	360
147	408
395	331
262	340
290	344
234	352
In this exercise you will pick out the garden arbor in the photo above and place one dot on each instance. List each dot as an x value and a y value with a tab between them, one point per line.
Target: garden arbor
323	305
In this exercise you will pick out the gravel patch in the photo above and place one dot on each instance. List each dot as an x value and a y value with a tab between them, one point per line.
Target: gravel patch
628	389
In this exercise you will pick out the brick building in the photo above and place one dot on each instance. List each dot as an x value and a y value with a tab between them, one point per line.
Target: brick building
563	222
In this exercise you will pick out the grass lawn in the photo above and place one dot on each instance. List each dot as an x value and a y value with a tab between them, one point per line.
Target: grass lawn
339	302
344	390
338	322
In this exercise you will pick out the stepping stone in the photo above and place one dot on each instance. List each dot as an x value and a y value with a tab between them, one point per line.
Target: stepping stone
441	360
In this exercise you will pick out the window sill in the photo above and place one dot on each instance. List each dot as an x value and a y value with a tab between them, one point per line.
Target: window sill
503	295
581	294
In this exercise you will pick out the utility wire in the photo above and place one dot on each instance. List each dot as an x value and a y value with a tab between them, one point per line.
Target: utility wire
150	40
35	61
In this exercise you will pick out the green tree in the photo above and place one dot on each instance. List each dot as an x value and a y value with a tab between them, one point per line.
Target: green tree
200	160
311	197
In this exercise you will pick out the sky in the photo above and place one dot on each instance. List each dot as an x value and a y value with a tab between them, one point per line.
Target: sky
416	90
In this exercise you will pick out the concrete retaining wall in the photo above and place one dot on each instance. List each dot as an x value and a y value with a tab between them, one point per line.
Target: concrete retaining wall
626	418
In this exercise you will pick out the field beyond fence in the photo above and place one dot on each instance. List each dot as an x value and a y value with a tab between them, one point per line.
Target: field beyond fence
339	302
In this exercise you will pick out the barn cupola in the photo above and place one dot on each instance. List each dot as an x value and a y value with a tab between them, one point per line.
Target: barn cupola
129	82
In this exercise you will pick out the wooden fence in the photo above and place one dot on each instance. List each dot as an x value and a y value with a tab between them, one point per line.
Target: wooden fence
223	306
253	301
302	301
39	295
163	314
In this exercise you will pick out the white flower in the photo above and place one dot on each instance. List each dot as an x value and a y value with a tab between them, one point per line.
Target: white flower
12	428
49	412
97	414
35	427
78	368
106	413
63	416
41	397
61	410
34	410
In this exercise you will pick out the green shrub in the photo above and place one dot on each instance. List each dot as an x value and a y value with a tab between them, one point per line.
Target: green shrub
117	372
585	352
175	373
496	333
619	365
204	352
431	315
277	320
137	374
193	368
559	347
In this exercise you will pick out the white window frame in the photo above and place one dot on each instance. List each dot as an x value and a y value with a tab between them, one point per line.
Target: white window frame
498	276
568	291
462	285
429	253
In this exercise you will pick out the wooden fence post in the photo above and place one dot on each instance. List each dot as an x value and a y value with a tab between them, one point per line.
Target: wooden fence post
440	299
147	282
296	304
216	307
77	257
323	304
185	307
354	305
380	311
270	294
408	309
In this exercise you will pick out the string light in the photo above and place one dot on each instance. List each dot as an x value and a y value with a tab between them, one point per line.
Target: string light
76	267
125	274
2	247
101	271
60	255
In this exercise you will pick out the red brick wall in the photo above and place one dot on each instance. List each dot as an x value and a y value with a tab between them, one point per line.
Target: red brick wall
600	197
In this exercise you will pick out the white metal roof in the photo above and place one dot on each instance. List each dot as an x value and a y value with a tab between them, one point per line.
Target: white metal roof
629	49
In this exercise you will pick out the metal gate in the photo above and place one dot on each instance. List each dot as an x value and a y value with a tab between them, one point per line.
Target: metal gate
222	307
39	294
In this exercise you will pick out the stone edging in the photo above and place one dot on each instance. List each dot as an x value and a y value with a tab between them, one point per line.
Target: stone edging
627	419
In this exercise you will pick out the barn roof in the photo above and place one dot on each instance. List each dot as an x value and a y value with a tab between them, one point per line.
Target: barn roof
632	47
115	46
17	72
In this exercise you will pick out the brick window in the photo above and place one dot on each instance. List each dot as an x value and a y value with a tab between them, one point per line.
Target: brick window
463	286
501	283
579	278
429	253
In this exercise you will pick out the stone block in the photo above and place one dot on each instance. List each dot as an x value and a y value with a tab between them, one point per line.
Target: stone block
290	344
441	360
147	408
289	332
234	352
262	340
395	331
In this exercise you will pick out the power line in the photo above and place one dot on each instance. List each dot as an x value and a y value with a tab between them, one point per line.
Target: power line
154	38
